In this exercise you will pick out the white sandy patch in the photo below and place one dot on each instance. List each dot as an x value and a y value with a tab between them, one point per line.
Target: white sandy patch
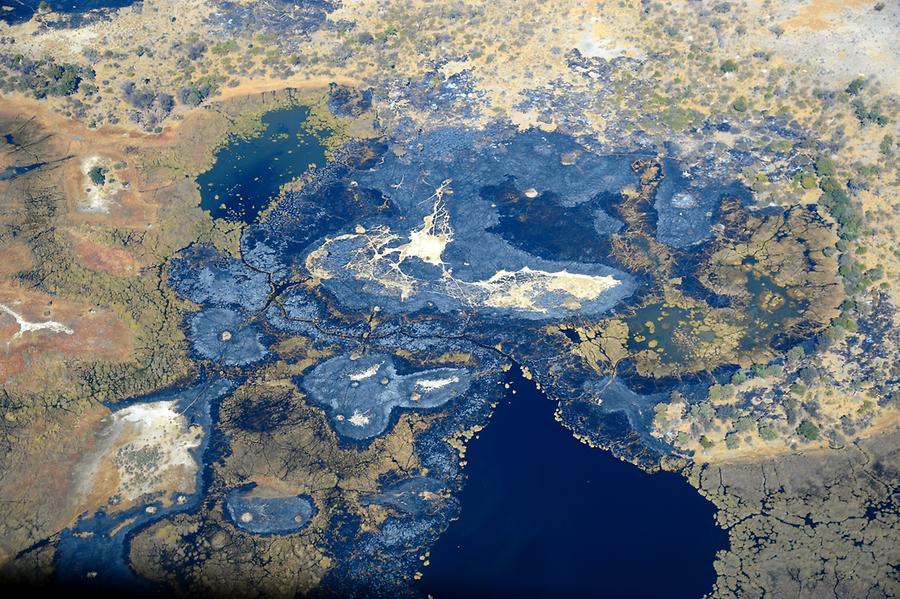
599	39
524	288
148	448
367	373
72	42
359	419
432	384
860	42
98	198
158	428
605	49
380	257
427	243
683	200
453	67
30	327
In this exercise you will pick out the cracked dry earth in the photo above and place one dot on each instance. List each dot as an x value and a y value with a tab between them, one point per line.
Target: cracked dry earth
810	525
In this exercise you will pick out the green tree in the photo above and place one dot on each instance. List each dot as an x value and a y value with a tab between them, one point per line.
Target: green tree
808	430
856	86
768	433
825	167
887	144
728	66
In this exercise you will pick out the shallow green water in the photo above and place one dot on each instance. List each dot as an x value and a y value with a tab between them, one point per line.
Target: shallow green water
249	172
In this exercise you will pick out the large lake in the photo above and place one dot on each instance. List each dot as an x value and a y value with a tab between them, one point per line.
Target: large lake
544	515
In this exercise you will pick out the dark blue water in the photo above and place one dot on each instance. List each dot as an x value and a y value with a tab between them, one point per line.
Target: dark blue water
249	172
18	11
11	172
544	515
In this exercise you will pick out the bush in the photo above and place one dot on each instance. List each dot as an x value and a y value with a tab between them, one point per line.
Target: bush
146	98
825	167
773	370
193	95
739	105
845	323
795	354
165	102
790	410
808	430
138	98
44	78
856	86
196	50
728	66
768	433
808	180
743	424
868	115
837	201
798	389
227	47
199	90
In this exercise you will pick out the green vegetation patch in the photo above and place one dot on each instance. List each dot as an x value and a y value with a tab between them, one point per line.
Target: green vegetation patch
808	430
